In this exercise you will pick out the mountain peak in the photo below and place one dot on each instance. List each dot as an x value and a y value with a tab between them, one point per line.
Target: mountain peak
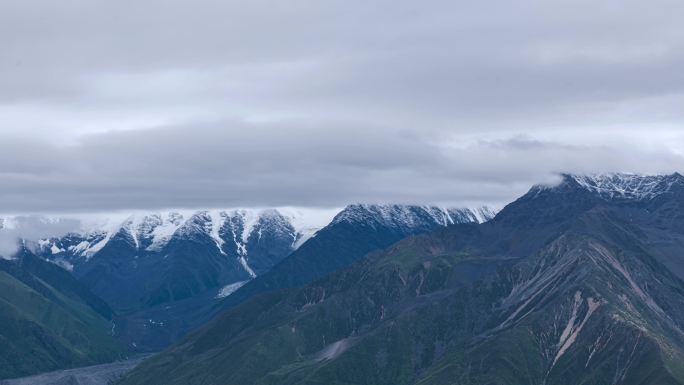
617	186
411	214
625	186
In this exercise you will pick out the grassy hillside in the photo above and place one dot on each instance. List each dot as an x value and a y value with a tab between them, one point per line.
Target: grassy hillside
48	322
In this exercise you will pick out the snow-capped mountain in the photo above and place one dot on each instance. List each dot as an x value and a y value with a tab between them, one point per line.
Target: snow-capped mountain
356	231
254	239
578	283
410	216
621	186
151	232
160	270
242	233
150	258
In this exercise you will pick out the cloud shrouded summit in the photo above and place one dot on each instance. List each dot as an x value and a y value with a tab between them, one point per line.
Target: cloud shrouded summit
144	105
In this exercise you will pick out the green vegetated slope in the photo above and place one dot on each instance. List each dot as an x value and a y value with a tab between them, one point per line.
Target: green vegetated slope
48	321
564	286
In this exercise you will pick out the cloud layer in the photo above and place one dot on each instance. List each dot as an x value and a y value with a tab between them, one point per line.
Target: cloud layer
159	104
14	231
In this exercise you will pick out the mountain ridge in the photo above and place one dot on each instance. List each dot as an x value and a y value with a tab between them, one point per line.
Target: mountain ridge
560	281
354	232
166	274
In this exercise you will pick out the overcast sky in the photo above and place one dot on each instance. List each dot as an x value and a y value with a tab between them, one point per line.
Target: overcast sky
153	104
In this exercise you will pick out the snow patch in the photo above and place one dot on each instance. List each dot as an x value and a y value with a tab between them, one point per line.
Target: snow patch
249	220
334	350
572	330
56	250
302	236
164	231
230	289
243	261
217	220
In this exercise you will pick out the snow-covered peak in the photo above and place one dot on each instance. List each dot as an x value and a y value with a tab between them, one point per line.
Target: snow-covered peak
305	222
628	186
159	228
230	228
411	216
151	231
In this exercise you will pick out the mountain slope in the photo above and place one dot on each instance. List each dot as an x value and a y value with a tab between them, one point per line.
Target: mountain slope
49	321
353	233
165	274
567	285
171	256
161	272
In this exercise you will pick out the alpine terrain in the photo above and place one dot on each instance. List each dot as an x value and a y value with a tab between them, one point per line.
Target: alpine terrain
160	272
165	274
354	232
577	283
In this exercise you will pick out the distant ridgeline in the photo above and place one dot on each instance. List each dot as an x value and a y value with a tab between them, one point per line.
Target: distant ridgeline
166	274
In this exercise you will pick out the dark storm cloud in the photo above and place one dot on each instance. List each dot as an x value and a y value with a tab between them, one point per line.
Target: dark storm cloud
149	104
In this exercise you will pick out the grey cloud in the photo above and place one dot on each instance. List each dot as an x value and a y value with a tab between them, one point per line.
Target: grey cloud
130	104
31	229
248	165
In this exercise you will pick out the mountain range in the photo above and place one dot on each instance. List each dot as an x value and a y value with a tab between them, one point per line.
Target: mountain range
165	274
353	233
580	282
576	283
